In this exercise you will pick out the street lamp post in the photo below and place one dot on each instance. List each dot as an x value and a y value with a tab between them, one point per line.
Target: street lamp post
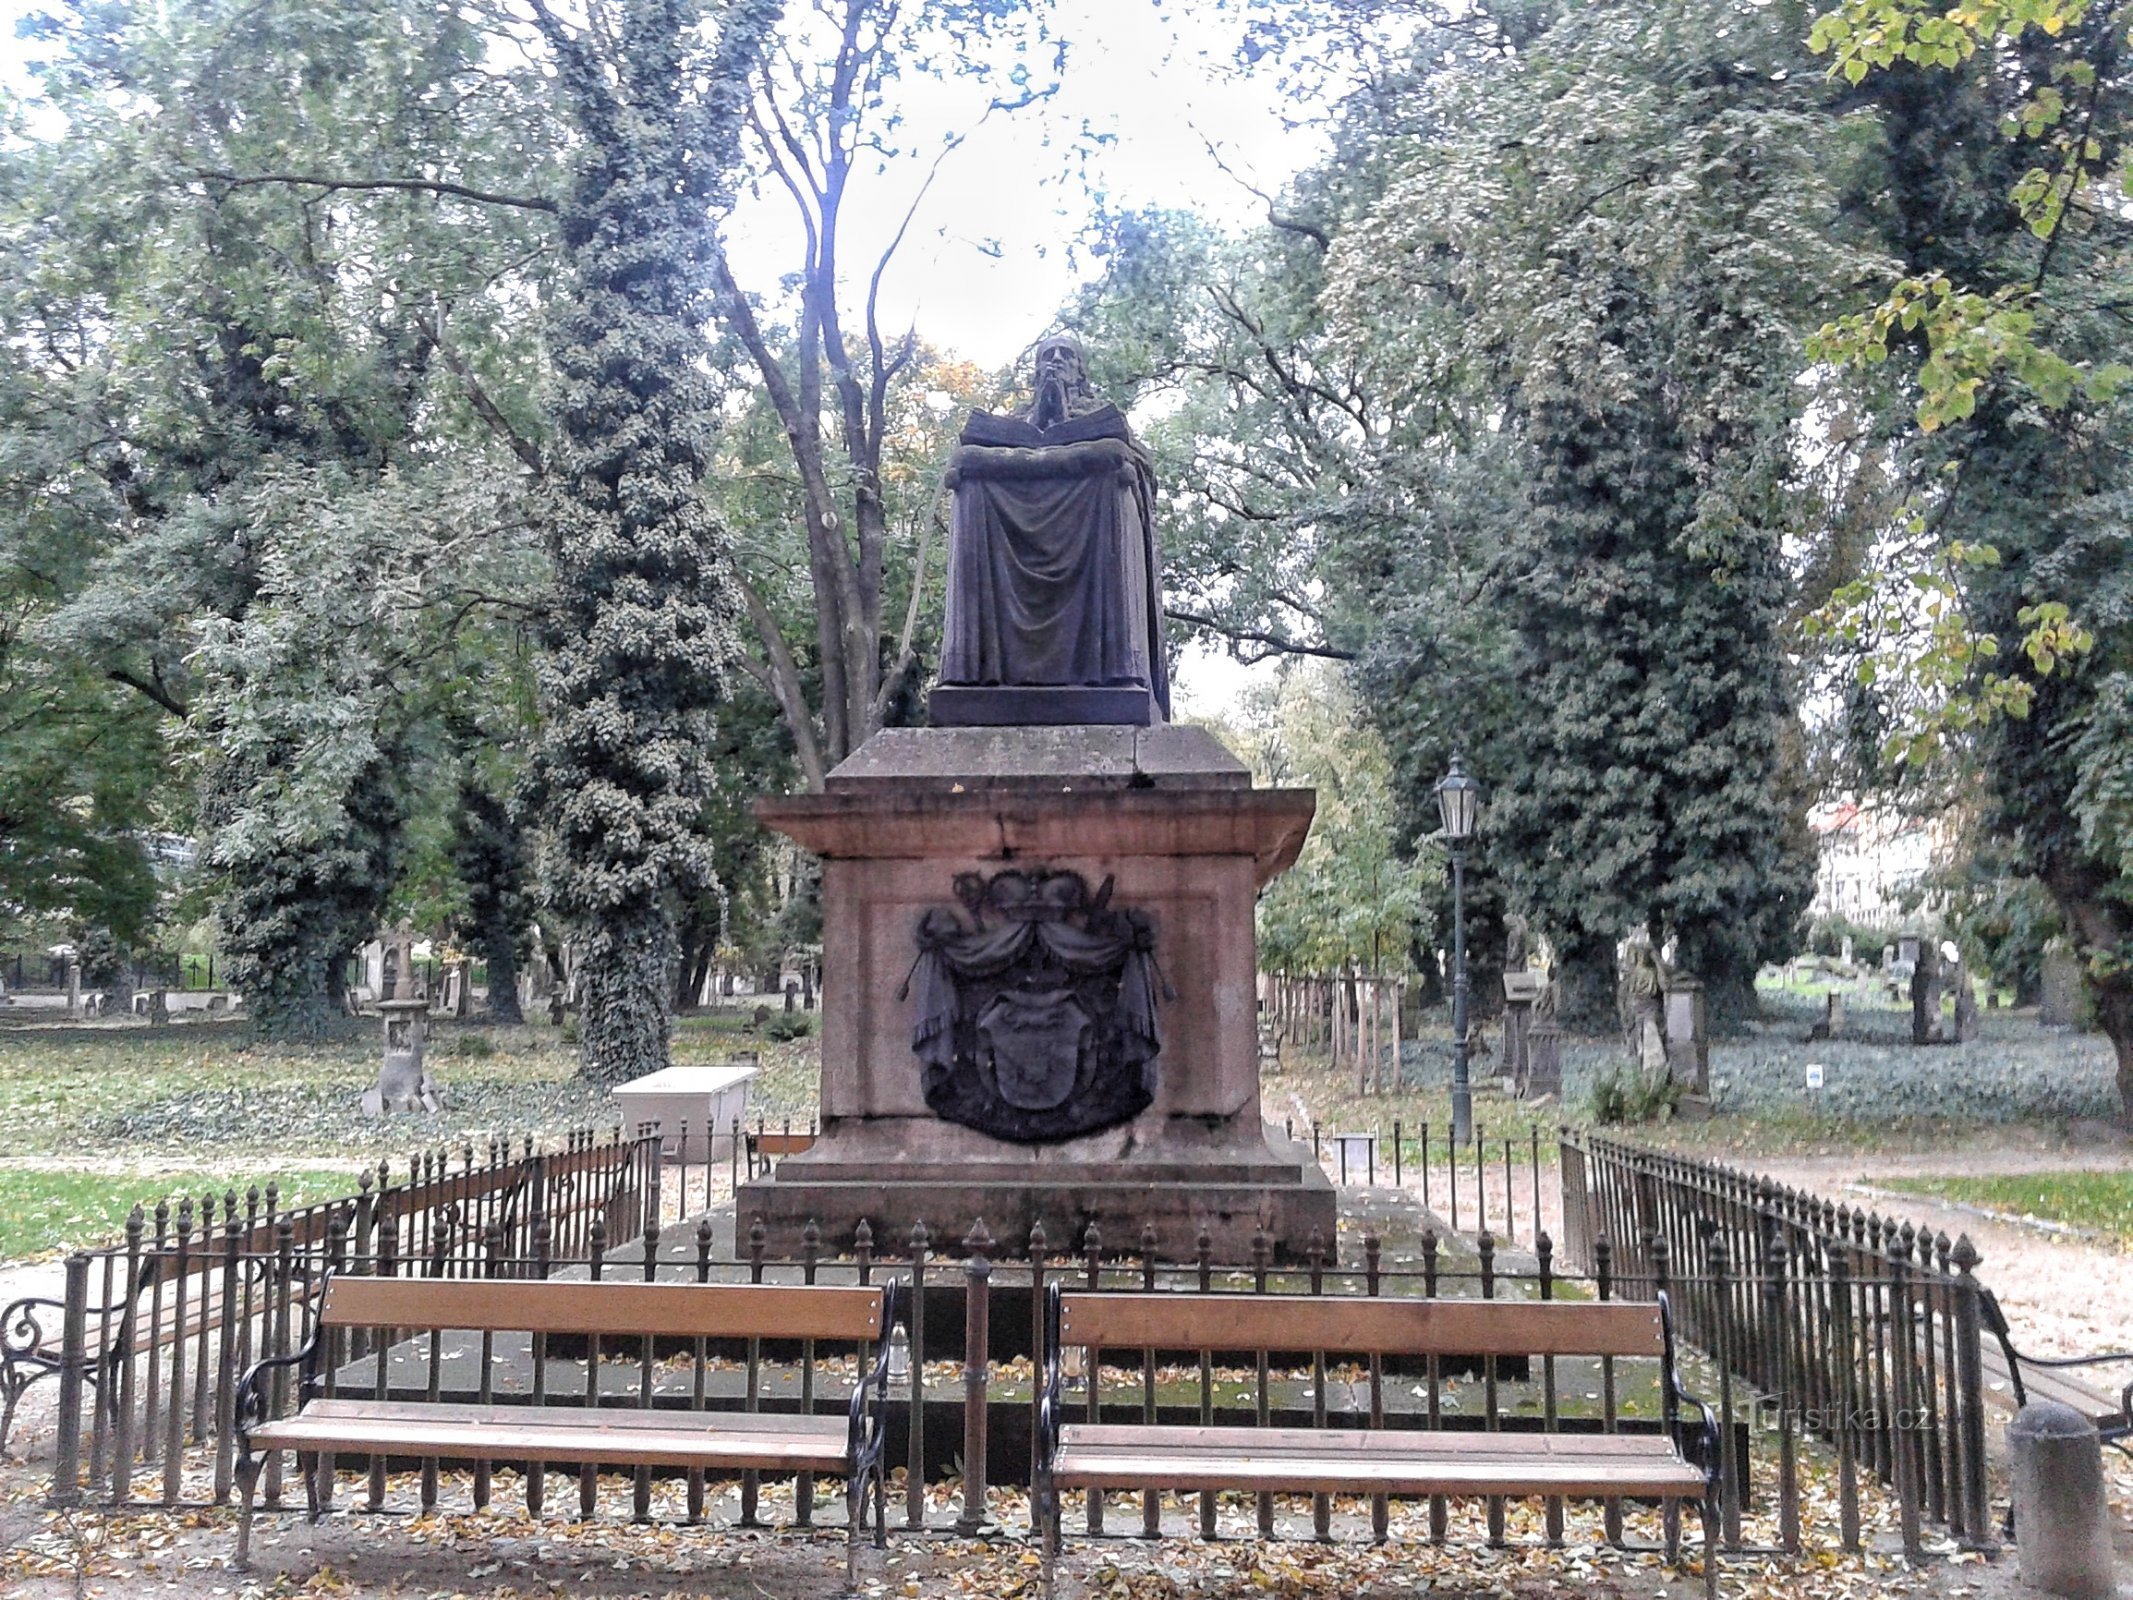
1458	798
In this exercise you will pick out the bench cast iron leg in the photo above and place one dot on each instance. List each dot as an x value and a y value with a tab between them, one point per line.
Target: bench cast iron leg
881	1505
1710	1548
1048	1552
7	1409
247	1485
855	1519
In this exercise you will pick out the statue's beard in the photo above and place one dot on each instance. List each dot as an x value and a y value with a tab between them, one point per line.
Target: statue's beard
1052	401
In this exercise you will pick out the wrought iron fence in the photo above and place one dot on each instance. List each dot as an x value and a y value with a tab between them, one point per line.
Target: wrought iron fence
1814	1323
1822	1320
151	1335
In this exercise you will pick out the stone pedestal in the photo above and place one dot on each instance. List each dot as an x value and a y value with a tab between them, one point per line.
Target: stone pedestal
1521	989
1169	821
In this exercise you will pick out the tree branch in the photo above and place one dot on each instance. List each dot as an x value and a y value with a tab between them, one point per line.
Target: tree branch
781	676
153	687
301	180
524	448
1274	216
904	654
1274	644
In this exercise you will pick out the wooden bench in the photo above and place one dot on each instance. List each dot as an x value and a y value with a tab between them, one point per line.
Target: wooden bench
165	1308
768	1146
1670	1466
709	1441
2015	1377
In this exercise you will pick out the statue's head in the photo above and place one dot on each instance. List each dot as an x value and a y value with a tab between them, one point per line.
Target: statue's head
1060	380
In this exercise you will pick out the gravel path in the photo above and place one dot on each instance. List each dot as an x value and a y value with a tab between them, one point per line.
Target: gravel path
2062	1296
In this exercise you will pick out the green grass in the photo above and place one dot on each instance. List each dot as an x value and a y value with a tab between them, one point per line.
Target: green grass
46	1211
2101	1202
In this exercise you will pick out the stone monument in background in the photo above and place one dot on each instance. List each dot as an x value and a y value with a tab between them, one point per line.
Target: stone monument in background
1039	958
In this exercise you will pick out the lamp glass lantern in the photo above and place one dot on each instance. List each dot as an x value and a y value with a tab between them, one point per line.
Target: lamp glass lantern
1458	802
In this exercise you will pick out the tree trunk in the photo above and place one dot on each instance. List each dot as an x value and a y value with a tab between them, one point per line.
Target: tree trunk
1729	1003
623	986
699	948
2098	922
1585	988
2114	1014
499	953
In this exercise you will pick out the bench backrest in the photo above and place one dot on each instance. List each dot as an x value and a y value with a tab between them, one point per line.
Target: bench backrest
1352	1325
685	1310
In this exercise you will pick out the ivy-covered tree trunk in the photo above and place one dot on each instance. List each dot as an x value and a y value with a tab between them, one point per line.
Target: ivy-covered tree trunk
1644	788
292	913
2043	487
490	857
642	627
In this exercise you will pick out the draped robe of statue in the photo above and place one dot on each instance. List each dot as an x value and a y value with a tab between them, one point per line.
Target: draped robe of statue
1053	582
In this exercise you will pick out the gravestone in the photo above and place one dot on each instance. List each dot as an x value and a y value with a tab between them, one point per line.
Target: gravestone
1688	1040
2064	1001
1925	993
458	975
1038	954
1521	989
1544	1060
73	990
403	1082
1957	977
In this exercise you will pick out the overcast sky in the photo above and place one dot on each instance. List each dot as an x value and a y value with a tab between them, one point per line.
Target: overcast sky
986	264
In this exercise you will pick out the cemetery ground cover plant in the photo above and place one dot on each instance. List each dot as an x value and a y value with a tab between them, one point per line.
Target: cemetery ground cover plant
2021	1085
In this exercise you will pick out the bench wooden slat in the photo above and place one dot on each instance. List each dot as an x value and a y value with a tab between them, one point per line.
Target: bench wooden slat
203	1309
689	1310
474	1414
1348	1324
565	1433
1403	1441
1347	1461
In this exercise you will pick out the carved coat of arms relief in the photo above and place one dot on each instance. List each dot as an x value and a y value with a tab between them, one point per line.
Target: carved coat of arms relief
1037	1003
